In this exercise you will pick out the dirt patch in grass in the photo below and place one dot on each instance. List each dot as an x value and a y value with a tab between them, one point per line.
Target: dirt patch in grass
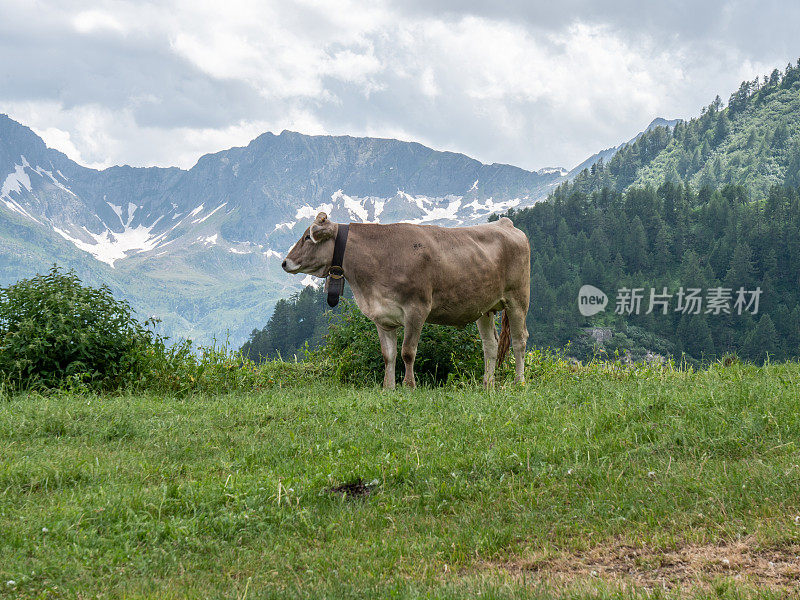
777	568
354	489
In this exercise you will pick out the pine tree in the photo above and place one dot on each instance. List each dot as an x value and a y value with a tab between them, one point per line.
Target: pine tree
740	272
695	337
662	252
780	136
722	130
636	246
763	341
793	166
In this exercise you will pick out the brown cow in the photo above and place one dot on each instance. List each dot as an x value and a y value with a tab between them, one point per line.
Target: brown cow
406	275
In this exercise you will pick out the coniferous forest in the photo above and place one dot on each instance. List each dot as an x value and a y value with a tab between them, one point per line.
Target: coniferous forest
297	323
671	237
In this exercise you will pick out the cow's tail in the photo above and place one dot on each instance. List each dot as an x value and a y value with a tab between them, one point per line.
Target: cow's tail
504	342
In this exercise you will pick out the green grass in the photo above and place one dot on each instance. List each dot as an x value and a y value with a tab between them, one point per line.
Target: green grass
229	496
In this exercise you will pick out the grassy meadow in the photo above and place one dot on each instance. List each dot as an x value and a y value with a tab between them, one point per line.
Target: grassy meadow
590	482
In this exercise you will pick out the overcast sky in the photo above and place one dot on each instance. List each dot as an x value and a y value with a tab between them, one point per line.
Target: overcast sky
529	83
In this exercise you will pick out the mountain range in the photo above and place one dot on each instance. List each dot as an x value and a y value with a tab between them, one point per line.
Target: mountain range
201	248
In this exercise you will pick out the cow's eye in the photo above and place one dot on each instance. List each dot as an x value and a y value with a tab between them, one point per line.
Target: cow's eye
308	237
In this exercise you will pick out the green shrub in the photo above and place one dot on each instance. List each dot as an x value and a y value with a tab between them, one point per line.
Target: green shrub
56	332
352	347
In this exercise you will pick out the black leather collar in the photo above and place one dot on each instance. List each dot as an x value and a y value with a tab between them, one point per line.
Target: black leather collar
335	283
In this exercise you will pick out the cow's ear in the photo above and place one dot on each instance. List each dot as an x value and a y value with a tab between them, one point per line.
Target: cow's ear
322	228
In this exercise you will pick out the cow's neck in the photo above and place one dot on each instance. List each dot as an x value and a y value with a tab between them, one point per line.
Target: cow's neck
363	260
350	264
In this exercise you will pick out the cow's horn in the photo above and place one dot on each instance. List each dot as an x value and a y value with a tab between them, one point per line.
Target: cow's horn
321	218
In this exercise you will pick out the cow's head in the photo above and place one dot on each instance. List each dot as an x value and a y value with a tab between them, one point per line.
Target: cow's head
313	252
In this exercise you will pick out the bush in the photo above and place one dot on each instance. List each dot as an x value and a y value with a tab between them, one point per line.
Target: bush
353	348
55	332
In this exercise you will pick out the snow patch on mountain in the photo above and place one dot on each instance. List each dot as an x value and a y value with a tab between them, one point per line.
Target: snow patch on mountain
355	208
201	220
379	204
17	208
418	200
560	171
16	181
307	212
116	209
110	246
436	213
42	172
488	206
448	210
288	225
314	282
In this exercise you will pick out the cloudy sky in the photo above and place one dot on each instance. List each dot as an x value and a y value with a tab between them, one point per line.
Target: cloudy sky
531	83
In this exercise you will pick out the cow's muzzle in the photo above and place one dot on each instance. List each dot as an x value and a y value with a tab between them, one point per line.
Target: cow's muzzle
290	266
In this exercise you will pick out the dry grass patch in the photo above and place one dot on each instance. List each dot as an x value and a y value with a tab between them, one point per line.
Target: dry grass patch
683	568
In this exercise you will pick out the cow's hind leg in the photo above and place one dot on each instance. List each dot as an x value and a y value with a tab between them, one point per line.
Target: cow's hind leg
388	339
412	331
488	333
519	337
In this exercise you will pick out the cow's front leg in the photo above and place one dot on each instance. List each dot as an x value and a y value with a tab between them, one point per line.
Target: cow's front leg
412	330
488	333
388	339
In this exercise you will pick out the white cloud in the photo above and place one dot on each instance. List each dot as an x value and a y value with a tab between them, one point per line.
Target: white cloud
427	83
355	67
284	50
163	83
89	21
97	137
61	140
